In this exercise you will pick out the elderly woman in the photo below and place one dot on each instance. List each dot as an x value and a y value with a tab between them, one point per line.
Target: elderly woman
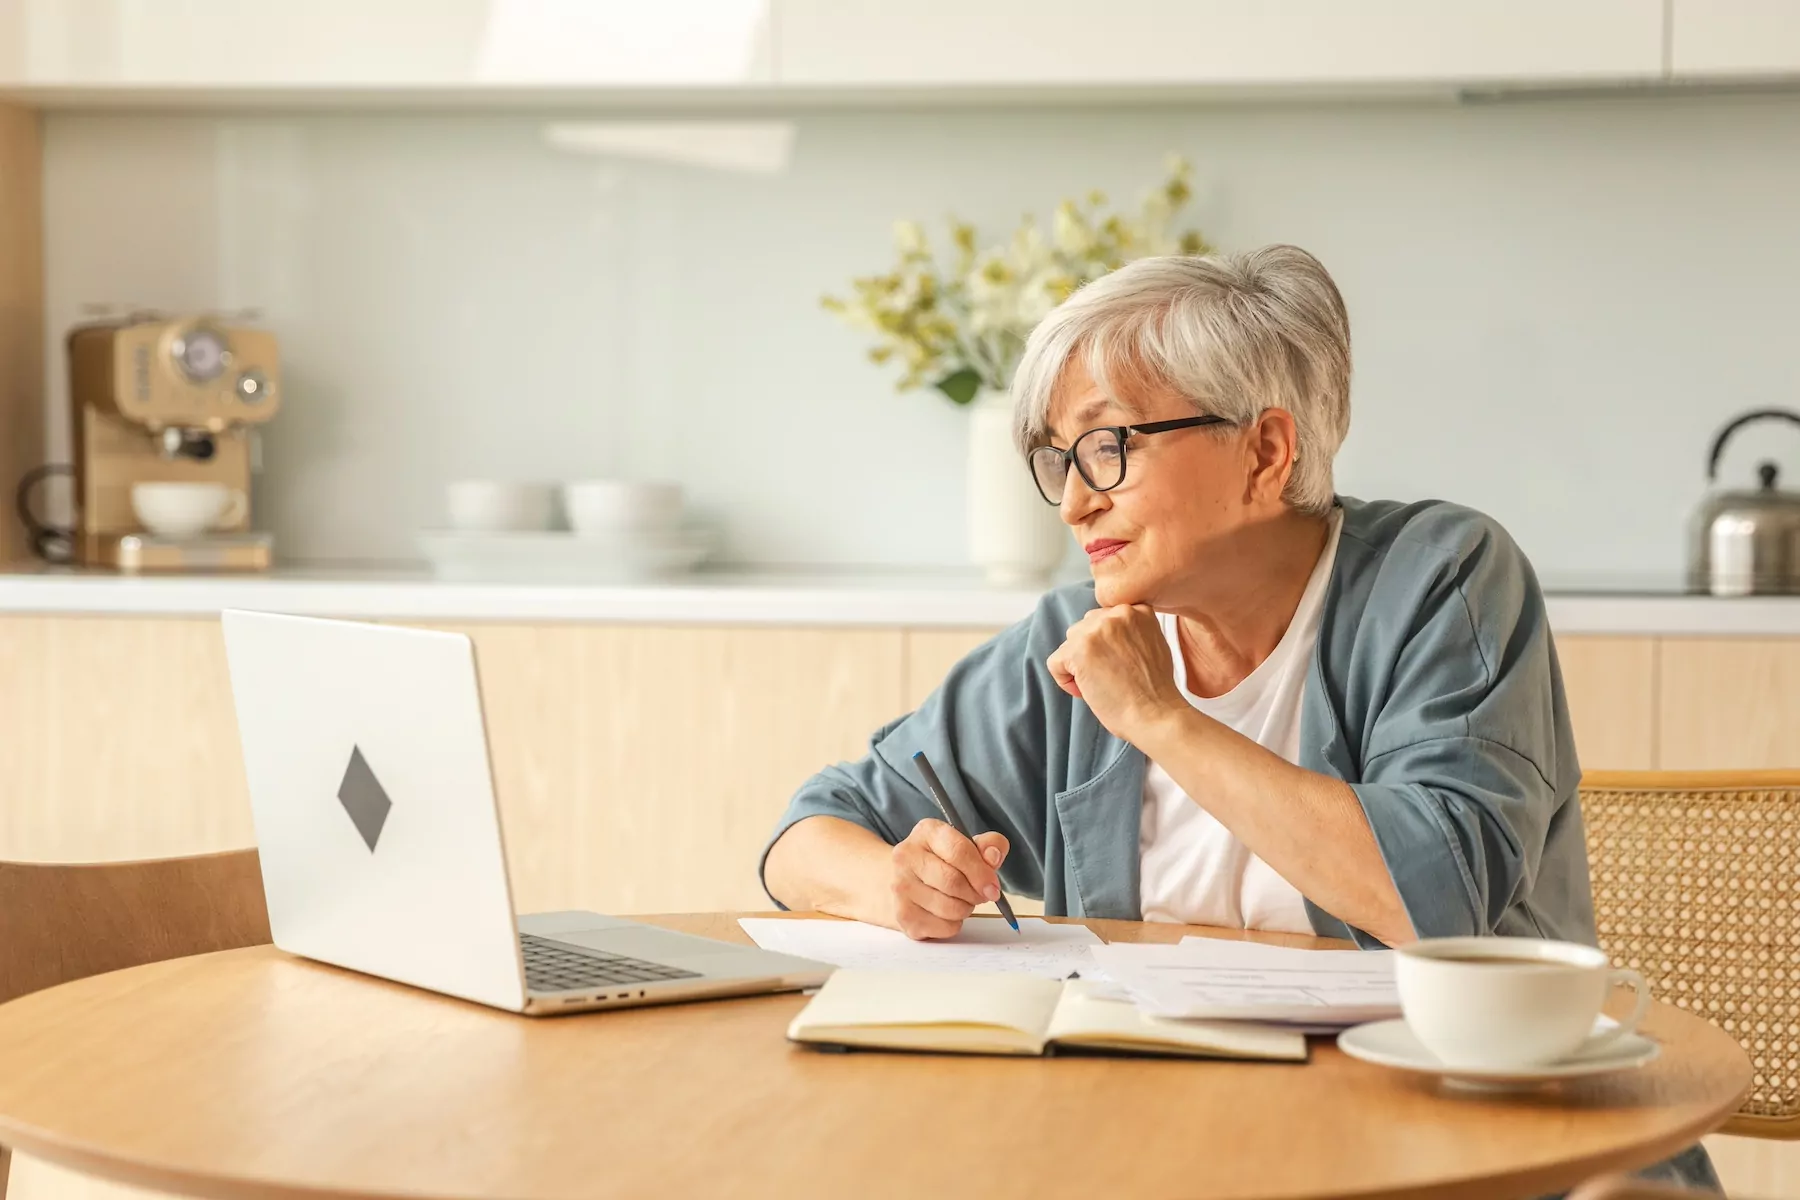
1274	708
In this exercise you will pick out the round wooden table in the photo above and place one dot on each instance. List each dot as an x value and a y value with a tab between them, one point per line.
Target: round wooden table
251	1073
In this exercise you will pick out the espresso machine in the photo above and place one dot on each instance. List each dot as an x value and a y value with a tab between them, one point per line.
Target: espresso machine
168	401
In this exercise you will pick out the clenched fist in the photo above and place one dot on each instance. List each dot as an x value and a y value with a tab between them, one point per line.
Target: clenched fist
1118	660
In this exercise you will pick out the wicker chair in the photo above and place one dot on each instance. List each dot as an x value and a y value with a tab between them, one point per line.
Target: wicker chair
1697	885
60	922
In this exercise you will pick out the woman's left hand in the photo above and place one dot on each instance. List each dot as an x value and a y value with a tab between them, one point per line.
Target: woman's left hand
1118	660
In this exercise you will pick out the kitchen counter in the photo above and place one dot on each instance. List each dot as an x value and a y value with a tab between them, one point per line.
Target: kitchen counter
946	599
920	598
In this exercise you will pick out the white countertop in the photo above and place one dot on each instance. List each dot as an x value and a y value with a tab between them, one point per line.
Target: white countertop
923	598
1674	616
945	599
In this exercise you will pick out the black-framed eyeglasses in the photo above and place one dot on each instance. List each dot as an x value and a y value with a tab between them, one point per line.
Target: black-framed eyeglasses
1099	454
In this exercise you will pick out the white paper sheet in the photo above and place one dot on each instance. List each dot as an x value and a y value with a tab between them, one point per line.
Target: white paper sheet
1211	979
1039	948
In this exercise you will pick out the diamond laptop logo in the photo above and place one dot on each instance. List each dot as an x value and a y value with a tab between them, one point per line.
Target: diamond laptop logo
362	796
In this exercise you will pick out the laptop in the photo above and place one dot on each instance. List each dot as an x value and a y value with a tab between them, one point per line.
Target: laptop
367	760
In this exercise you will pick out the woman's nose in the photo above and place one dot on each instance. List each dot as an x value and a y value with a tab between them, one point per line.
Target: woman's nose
1079	501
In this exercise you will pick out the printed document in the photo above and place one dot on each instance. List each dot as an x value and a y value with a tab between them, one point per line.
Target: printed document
1213	979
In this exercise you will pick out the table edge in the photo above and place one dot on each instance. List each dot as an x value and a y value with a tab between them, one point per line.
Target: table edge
101	1164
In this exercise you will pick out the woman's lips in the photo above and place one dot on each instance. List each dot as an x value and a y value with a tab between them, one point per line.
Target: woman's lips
1103	548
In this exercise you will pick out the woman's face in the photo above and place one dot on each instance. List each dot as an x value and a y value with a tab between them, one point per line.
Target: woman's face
1189	498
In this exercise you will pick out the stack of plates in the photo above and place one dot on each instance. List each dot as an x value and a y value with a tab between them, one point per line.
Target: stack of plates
551	556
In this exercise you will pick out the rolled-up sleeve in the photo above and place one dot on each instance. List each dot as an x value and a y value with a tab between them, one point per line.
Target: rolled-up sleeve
984	730
1468	764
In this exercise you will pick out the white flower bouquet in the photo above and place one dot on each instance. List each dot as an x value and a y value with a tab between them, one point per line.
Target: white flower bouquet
960	326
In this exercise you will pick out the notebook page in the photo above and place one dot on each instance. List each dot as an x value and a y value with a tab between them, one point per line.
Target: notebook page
856	999
985	944
1087	1017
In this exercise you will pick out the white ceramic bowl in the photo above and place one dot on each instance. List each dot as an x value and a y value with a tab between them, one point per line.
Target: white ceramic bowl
602	507
493	506
179	509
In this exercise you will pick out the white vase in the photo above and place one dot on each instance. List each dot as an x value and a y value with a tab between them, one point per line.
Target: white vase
1014	537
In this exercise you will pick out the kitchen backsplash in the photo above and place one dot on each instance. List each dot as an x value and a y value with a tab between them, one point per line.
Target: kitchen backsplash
1554	303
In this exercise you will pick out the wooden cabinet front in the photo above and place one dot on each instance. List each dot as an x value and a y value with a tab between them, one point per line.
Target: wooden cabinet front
637	769
1729	703
1610	686
641	769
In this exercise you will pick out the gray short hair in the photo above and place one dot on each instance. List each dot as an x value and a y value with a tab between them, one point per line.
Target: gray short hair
1236	334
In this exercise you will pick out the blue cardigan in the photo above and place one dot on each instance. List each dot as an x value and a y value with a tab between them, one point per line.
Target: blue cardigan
1434	692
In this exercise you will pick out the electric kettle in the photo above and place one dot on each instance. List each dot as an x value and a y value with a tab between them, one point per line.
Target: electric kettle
1747	543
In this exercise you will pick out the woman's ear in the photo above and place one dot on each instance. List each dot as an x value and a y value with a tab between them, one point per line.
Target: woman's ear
1275	448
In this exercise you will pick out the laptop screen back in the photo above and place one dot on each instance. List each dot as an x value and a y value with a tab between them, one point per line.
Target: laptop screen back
370	785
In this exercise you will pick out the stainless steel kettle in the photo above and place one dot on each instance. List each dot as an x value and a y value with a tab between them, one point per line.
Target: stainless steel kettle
1747	543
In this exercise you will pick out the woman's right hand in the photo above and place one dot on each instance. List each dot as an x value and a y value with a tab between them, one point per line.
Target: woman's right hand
939	876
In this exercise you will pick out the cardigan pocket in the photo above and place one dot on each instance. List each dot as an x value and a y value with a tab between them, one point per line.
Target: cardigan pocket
1100	821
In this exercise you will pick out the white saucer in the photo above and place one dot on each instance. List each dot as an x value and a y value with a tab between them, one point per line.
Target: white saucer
1392	1044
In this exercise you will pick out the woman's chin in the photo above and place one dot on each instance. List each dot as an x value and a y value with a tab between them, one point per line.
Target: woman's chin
1113	587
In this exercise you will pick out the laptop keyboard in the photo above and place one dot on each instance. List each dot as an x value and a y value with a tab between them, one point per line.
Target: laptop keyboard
558	967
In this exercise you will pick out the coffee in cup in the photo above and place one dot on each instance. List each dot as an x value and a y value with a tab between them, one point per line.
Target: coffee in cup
1486	1003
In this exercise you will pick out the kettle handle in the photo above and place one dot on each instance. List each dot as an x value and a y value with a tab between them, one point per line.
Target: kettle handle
1736	423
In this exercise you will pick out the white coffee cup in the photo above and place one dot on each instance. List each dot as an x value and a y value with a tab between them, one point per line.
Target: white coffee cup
495	506
1503	1003
597	507
179	510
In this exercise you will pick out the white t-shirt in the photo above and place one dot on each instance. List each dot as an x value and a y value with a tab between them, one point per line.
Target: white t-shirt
1192	870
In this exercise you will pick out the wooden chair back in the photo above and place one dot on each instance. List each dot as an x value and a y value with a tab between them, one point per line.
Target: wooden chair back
66	921
1697	885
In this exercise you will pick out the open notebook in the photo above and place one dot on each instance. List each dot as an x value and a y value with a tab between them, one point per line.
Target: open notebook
968	1013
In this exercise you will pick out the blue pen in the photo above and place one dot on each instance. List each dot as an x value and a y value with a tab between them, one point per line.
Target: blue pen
935	788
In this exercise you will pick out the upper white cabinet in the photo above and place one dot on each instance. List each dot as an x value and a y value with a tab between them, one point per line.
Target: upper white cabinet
1735	37
970	43
814	50
304	44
